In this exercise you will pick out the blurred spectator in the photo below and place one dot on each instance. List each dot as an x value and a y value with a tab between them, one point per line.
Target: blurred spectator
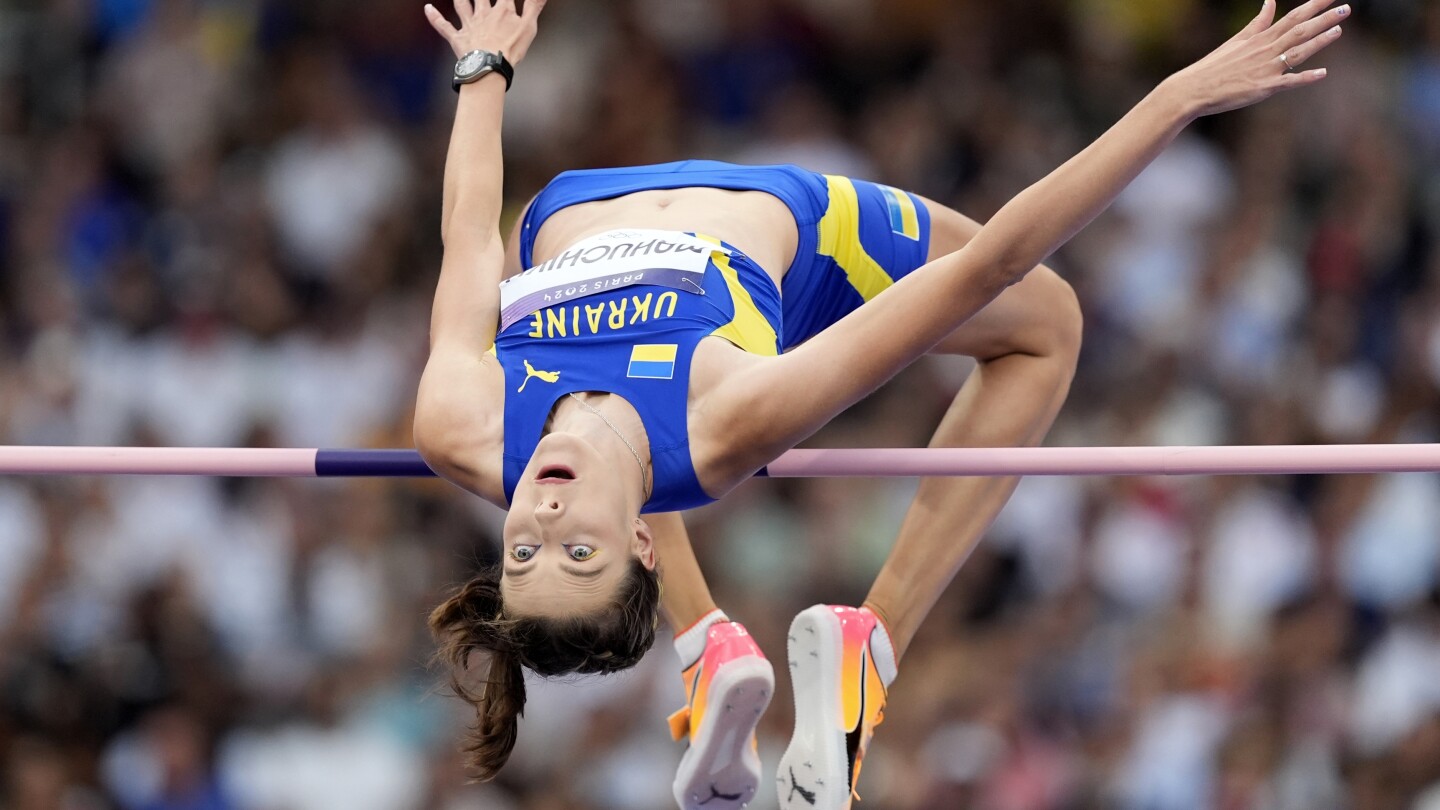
332	181
164	765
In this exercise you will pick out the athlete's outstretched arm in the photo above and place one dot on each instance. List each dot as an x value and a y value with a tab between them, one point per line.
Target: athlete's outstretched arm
466	307
455	423
786	399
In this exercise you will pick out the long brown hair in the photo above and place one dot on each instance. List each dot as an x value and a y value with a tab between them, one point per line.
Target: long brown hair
473	621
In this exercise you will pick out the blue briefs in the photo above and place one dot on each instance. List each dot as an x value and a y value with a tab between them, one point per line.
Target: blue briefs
856	237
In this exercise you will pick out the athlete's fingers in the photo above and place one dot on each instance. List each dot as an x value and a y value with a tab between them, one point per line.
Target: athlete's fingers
1312	29
1261	22
534	7
1300	78
1297	56
1301	13
441	25
464	10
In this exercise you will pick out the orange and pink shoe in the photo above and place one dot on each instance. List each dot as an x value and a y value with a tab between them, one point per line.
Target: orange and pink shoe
727	689
841	666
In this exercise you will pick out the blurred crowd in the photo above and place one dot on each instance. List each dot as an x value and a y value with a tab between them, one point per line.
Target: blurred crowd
219	226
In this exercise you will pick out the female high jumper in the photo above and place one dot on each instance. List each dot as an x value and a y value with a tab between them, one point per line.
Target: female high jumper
680	326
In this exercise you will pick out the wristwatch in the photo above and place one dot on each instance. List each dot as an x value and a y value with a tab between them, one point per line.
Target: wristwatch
475	64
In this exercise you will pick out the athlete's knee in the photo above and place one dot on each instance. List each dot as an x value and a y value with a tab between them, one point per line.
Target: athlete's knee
1041	318
1061	324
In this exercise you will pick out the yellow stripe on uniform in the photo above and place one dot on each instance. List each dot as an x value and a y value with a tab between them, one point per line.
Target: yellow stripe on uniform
909	220
840	240
748	329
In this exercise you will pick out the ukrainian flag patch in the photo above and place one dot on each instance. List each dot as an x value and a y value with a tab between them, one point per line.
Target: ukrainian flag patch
652	361
904	220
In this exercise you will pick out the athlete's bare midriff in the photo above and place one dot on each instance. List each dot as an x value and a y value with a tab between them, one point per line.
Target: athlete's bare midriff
759	224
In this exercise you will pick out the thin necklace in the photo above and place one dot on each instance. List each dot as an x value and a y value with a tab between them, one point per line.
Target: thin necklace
617	432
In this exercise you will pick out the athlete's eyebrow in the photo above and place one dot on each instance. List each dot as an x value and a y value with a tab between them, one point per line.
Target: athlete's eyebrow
517	572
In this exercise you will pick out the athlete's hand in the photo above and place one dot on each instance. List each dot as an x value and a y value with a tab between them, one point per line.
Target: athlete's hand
499	28
1261	60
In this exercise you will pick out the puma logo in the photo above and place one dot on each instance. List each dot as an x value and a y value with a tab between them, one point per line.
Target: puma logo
715	794
807	795
545	376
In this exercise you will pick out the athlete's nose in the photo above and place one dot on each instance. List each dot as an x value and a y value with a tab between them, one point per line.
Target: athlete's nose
549	508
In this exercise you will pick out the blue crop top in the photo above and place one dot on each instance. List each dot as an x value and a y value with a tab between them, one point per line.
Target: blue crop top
622	313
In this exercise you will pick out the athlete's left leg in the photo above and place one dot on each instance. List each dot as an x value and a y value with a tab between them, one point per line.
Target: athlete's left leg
685	596
1026	343
728	683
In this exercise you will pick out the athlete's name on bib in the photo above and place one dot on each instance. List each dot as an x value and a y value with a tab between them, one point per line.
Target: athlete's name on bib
605	262
625	245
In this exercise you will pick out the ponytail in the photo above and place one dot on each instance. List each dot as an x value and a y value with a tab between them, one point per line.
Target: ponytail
467	623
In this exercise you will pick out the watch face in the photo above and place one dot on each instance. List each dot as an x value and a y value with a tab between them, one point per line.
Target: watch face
471	63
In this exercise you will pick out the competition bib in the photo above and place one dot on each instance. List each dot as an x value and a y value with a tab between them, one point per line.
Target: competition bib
605	262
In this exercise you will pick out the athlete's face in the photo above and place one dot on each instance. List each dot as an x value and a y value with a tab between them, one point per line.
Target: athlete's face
570	533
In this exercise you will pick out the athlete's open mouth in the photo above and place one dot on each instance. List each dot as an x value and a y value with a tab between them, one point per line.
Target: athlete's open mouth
555	473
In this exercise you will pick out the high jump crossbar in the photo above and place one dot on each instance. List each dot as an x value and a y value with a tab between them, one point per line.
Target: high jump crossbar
868	463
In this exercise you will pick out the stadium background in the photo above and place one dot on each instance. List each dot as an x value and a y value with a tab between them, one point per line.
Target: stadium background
218	226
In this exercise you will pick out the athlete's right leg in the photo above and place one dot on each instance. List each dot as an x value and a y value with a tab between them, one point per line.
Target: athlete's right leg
1026	343
842	659
728	683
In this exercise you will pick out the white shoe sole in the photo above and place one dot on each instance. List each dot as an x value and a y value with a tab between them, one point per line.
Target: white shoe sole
720	770
814	773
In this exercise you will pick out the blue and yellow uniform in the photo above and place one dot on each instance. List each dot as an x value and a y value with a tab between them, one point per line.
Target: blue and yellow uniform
855	240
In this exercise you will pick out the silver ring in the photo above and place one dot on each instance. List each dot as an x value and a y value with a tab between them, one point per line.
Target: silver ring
1286	60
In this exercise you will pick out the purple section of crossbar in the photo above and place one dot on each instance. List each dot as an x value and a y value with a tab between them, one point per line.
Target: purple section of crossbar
248	462
371	464
1352	458
1260	460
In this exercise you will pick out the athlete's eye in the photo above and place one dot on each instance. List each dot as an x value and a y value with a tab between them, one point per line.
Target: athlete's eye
522	553
580	552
